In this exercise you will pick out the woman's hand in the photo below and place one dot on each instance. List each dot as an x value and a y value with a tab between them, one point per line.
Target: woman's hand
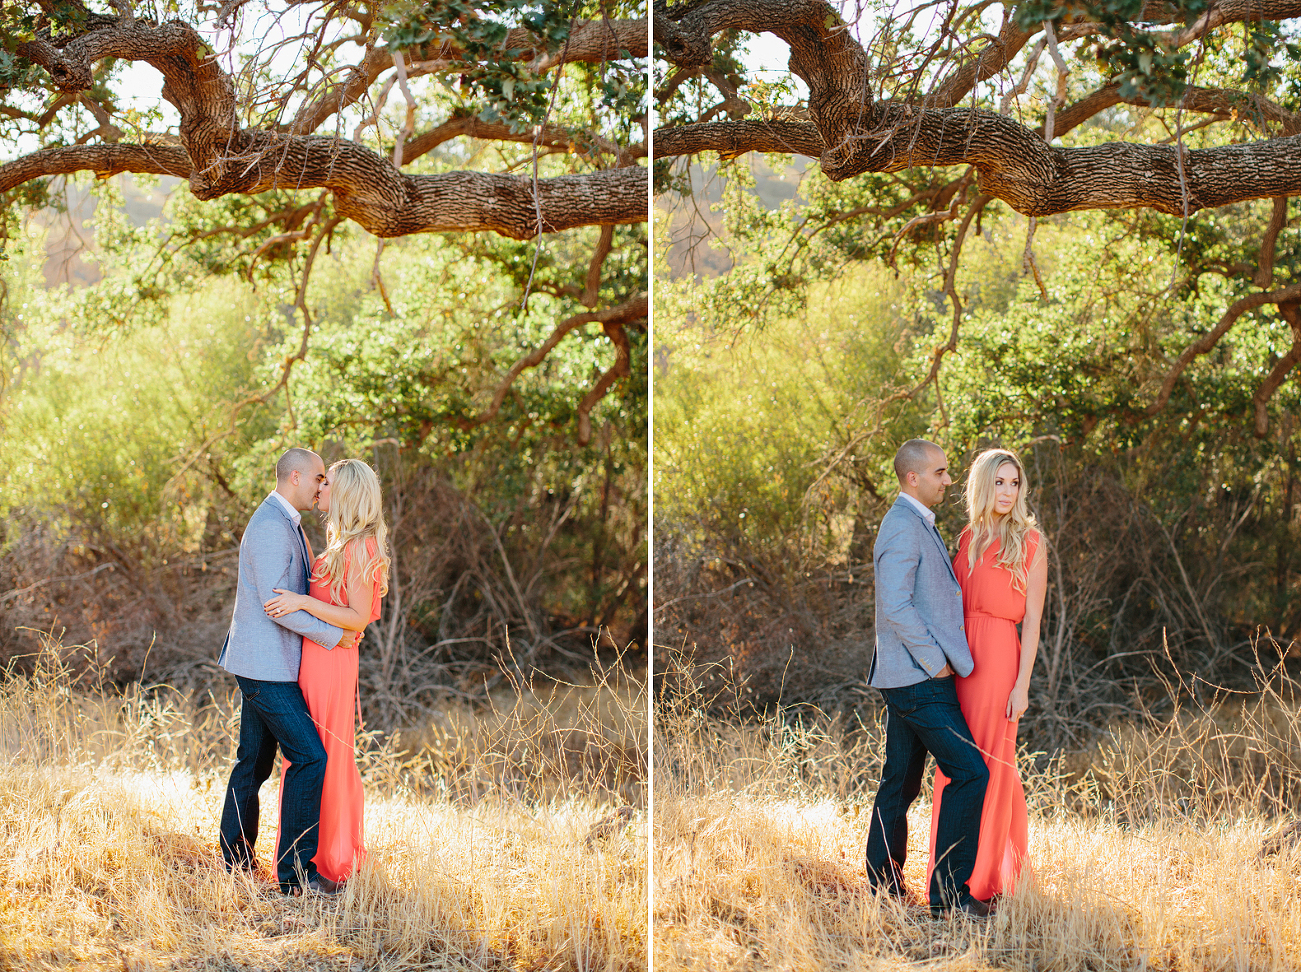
287	603
1017	702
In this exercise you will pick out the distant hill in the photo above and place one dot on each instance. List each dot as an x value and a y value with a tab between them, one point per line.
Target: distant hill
694	224
71	237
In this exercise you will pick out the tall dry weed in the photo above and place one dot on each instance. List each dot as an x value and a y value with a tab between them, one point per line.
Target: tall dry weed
1146	849
477	829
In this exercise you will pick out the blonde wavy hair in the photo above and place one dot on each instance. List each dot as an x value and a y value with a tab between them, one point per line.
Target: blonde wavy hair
356	514
986	526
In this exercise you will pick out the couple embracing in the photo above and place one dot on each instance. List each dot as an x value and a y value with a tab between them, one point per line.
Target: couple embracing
955	676
292	647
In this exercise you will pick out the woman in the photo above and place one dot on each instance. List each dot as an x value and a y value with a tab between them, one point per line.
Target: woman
1003	572
348	581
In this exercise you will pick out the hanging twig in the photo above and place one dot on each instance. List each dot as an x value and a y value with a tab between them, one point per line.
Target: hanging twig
1059	99
407	130
409	127
537	135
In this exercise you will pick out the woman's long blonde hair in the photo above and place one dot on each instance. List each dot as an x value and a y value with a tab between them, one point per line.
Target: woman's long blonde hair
986	526
356	513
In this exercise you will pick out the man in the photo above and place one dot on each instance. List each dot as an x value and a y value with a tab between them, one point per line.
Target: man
263	655
920	643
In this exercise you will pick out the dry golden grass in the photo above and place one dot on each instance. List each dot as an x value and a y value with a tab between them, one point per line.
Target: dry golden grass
109	805
1146	853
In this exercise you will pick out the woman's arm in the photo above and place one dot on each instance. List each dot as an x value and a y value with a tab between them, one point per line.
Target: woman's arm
359	590
1036	587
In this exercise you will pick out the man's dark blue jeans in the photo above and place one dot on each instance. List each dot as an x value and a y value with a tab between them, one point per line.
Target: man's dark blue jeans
926	718
275	714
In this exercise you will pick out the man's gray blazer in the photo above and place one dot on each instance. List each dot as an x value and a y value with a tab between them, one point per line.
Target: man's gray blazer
272	554
919	624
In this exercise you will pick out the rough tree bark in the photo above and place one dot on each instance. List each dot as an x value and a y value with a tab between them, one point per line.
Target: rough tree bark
218	157
919	117
250	134
850	133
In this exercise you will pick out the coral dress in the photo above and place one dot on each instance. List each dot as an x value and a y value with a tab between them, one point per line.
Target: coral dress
993	608
328	678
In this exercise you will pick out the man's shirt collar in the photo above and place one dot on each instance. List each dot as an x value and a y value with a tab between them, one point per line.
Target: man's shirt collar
298	517
929	514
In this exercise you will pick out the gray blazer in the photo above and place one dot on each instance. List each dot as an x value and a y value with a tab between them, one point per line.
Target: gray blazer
919	623
272	554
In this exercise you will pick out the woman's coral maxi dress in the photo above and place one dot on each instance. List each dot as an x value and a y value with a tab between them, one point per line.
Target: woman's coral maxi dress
328	678
993	608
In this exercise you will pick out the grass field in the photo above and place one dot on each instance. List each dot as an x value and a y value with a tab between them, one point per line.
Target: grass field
1146	849
476	828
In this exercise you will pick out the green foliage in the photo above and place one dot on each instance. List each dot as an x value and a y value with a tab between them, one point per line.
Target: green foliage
95	431
831	227
422	372
493	75
773	447
743	426
124	437
492	72
1142	62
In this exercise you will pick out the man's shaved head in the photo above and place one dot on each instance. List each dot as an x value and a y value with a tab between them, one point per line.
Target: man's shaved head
303	461
915	455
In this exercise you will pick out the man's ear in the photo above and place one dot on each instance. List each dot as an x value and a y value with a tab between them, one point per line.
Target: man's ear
294	477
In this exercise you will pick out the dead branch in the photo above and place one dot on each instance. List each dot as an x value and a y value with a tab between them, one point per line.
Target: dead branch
626	313
1212	338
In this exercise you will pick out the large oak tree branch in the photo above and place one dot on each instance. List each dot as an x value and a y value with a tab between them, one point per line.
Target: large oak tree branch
1215	101
1015	165
1209	340
684	29
857	134
103	160
222	159
990	61
824	53
1223	12
630	311
551	136
367	189
1264	276
996	56
730	139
